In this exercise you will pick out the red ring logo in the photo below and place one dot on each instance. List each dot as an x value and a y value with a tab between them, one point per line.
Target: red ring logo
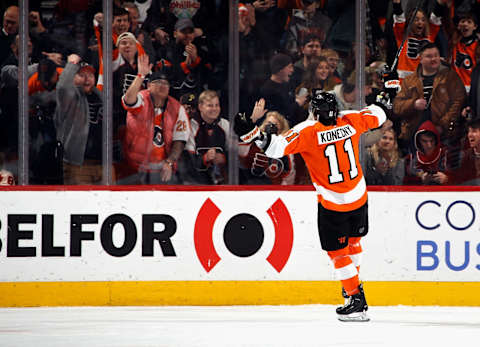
203	235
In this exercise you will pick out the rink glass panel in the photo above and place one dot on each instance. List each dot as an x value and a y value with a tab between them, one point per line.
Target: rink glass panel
32	152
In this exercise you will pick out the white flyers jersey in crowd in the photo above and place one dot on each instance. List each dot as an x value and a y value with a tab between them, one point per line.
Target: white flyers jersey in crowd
332	156
6	178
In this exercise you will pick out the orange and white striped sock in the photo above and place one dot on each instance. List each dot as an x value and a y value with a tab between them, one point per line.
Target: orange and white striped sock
345	270
355	251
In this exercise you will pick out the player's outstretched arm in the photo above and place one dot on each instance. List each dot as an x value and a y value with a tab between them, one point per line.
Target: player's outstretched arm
245	127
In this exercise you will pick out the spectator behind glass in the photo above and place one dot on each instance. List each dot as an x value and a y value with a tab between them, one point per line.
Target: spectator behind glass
311	49
469	171
143	6
210	18
307	21
317	76
262	169
346	93
9	30
434	92
78	120
141	35
464	47
9	99
157	128
6	177
187	57
189	102
422	32
69	27
333	59
253	61
428	164
45	151
271	23
279	94
124	72
210	141
383	165
120	25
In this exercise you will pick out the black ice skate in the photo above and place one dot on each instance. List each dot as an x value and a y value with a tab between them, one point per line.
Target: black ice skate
345	296
355	308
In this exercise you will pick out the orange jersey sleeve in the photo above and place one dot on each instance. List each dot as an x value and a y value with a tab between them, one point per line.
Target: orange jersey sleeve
331	154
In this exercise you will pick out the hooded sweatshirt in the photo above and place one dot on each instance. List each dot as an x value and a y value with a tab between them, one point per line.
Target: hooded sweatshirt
419	162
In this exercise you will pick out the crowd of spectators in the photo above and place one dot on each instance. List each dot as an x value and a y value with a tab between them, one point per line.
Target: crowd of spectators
170	88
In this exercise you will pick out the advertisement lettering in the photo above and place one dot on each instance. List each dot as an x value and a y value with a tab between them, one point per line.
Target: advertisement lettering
82	231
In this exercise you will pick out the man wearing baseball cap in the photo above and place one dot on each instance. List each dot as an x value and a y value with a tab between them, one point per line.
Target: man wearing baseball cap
157	127
187	57
78	121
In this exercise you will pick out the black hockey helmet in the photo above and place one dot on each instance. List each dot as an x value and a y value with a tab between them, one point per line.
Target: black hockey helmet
323	107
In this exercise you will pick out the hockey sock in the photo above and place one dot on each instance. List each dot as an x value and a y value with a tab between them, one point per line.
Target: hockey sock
355	251
345	270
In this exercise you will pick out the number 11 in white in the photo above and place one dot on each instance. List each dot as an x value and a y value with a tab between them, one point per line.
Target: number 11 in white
331	153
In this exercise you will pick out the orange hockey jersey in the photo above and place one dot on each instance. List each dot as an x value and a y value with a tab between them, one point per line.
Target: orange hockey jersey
408	58
331	154
464	56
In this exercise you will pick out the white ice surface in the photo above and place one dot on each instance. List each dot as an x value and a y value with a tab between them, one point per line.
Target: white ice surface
309	325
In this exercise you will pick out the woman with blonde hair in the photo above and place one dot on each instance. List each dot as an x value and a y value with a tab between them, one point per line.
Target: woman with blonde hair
262	169
422	31
383	165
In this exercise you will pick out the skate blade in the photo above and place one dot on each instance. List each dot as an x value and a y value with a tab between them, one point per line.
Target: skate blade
354	317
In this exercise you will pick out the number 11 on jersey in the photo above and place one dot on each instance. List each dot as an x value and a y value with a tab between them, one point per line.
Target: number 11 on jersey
331	154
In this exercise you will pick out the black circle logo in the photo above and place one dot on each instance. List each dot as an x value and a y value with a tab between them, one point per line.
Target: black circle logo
243	235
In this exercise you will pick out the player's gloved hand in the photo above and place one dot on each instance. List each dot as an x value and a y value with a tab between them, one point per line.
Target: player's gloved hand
383	100
271	128
260	164
391	83
246	130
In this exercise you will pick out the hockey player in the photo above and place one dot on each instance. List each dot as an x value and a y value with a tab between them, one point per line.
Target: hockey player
329	144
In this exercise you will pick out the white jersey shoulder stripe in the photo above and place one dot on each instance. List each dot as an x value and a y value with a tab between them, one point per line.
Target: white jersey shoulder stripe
278	143
378	112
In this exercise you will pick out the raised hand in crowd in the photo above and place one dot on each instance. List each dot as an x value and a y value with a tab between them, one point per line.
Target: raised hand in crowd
161	36
467	112
263	5
192	53
258	110
144	68
74	59
143	65
98	19
36	24
57	58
